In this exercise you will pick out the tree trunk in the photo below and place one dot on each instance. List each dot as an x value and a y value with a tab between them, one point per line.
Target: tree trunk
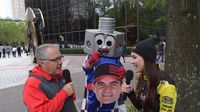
183	52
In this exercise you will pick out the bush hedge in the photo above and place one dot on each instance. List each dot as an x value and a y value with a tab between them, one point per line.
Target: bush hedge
81	51
72	51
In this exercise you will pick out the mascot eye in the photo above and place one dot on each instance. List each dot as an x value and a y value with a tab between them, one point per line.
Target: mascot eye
110	41
99	40
88	44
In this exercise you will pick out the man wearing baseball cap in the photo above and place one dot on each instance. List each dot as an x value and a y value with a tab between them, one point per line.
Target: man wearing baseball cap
107	87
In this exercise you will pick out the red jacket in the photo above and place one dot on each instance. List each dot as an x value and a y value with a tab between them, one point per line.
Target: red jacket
36	100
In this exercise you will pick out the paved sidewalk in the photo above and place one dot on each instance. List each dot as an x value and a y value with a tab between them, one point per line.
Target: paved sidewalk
14	72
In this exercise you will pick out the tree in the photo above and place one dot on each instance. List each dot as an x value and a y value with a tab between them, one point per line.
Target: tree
102	7
11	31
152	17
182	53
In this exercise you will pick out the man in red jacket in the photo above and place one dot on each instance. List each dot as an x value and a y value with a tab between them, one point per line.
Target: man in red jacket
47	88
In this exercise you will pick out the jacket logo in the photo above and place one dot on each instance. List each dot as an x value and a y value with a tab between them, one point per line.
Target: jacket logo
167	100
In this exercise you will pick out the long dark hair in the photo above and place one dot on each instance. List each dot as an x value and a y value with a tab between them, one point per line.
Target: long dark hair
152	74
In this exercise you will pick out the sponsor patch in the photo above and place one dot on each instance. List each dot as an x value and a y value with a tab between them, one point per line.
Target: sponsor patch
167	100
166	106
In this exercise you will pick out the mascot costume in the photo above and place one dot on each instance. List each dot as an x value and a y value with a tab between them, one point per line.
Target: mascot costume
103	45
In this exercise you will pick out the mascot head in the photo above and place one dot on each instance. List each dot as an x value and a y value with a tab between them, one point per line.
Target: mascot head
105	40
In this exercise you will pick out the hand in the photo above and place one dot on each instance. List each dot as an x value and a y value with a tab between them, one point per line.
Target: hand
126	88
94	57
69	88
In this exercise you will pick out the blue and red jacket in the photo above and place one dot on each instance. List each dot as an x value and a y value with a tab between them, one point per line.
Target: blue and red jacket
92	103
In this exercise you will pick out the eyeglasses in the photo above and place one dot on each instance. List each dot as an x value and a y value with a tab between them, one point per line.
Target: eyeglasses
55	59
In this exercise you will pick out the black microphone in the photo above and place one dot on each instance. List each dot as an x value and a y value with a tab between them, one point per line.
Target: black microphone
69	103
128	77
66	75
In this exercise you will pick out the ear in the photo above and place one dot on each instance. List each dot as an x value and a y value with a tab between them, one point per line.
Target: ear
93	88
39	62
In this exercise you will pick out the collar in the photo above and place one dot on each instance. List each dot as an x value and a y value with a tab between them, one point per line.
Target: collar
37	70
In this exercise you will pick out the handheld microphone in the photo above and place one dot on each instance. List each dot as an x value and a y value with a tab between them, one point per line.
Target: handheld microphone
69	103
66	75
128	77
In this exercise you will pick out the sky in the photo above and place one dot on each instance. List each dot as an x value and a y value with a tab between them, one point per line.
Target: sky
5	9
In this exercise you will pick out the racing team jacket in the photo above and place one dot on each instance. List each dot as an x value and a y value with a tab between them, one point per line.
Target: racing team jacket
92	102
37	100
165	98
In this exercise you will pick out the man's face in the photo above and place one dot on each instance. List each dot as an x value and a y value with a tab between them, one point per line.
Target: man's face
53	64
107	89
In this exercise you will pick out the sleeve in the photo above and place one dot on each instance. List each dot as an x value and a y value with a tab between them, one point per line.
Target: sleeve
168	96
37	101
134	100
85	66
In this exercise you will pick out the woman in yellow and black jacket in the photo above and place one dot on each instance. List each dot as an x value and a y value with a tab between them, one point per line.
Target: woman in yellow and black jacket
155	90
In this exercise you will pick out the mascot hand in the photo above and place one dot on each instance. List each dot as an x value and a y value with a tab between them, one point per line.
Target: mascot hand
94	57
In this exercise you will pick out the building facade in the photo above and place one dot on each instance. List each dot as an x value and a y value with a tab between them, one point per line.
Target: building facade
18	9
70	18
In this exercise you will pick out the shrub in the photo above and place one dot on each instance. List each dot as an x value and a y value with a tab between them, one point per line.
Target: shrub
80	50
72	51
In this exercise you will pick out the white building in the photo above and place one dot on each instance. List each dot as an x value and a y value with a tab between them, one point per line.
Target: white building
18	9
